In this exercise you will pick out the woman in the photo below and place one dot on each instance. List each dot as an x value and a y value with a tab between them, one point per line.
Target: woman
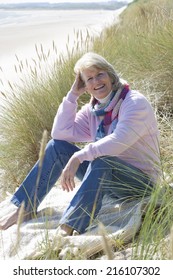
120	159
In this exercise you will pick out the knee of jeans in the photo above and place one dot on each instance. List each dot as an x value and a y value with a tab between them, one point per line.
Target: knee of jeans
102	162
109	162
57	146
53	148
54	143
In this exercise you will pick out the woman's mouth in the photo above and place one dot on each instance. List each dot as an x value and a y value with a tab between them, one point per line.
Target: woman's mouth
99	87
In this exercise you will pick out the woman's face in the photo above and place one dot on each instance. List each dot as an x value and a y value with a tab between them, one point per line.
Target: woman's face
98	83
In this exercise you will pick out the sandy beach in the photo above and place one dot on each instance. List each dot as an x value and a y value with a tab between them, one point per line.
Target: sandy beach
20	33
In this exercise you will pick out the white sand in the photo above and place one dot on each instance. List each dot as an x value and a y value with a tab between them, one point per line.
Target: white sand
31	28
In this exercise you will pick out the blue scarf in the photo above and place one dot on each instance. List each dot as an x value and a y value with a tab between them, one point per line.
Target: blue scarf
109	111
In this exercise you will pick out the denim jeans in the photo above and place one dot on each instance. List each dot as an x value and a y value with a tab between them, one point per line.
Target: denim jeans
104	175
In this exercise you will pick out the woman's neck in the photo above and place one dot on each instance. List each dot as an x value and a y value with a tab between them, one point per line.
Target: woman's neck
105	99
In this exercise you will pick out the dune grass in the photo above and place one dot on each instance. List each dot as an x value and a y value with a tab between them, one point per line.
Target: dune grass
29	107
140	47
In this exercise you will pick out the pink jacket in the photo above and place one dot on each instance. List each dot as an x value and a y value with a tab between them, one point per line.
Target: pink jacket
135	139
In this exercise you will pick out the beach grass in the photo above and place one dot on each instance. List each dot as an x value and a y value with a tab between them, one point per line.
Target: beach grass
140	47
30	105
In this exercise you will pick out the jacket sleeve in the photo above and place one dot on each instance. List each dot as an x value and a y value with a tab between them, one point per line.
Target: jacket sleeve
69	124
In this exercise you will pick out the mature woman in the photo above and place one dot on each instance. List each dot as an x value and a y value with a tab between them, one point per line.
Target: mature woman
120	159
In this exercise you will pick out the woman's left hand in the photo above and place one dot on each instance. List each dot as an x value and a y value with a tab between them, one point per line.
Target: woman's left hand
68	174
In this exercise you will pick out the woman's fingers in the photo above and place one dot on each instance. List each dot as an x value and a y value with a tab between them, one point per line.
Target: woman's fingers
78	86
67	184
68	174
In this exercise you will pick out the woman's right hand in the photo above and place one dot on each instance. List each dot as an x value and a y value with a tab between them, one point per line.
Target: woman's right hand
78	86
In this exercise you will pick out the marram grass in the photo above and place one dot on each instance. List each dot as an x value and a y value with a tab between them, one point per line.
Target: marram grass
29	106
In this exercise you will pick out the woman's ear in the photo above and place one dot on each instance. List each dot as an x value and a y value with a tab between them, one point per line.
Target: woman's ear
113	81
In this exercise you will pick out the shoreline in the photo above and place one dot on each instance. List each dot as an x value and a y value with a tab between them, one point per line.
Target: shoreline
43	28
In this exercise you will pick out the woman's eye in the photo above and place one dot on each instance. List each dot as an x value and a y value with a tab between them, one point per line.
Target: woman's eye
89	79
100	74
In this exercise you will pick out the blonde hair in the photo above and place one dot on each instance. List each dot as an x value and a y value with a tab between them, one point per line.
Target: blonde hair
92	59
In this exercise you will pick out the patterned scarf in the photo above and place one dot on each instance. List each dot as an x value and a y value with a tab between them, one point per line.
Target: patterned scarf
109	111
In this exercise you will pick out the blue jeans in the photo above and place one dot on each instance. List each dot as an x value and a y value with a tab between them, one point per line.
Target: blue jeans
104	175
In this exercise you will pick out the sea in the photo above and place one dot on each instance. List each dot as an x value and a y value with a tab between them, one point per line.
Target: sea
22	30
